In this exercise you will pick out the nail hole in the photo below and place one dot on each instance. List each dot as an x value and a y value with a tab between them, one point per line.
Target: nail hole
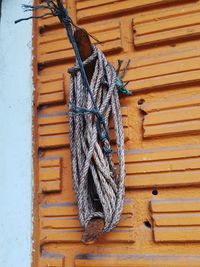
40	66
155	192
147	224
42	30
141	101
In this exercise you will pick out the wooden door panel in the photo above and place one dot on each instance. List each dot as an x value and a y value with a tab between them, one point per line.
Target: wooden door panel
160	220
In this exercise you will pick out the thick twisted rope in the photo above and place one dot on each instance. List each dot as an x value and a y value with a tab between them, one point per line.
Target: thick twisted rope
90	148
91	106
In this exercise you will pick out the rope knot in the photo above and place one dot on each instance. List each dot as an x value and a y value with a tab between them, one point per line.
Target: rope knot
76	68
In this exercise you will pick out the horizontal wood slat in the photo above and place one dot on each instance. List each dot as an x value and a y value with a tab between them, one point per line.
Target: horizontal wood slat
140	260
175	205
51	90
55	46
164	167
54	129
93	10
161	38
173	24
161	70
175	116
50	175
60	223
51	260
176	220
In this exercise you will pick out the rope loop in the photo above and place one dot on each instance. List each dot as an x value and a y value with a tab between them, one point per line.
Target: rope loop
76	68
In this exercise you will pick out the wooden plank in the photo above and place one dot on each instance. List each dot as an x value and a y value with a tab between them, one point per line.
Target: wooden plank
162	70
50	175
54	130
60	209
61	45
174	234
90	9
171	24
165	55
73	222
48	21
177	219
70	208
56	47
164	167
120	236
168	129
166	13
51	98
115	46
50	162
170	179
50	78
171	103
173	115
51	90
50	186
172	118
51	260
136	260
52	119
175	205
61	223
167	80
163	153
167	24
60	34
188	32
54	141
51	87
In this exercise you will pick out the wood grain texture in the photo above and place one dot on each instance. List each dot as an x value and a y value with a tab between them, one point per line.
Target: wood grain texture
172	117
55	47
60	223
176	220
89	10
52	260
170	25
50	175
54	129
169	68
161	125
126	260
51	90
164	167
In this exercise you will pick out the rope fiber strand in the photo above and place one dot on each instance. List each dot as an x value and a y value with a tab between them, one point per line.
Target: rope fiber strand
90	152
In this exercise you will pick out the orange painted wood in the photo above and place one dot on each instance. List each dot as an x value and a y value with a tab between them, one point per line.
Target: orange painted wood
137	260
161	216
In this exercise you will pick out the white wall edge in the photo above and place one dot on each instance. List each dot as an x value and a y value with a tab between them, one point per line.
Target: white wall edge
16	176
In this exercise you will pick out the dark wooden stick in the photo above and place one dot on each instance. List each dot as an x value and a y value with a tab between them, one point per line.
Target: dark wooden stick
85	49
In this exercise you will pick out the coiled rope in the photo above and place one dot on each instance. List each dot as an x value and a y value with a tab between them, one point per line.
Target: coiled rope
91	107
90	149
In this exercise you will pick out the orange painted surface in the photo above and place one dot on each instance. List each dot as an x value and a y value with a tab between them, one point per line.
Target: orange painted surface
160	225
